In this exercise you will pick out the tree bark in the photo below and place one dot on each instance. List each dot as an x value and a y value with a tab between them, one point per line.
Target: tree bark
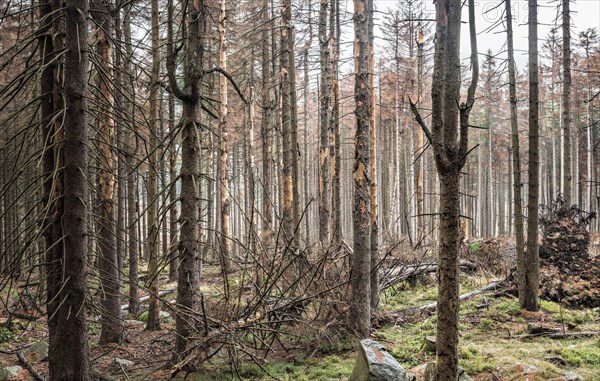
516	161
225	237
153	322
188	280
360	309
111	323
450	147
132	224
324	121
68	347
532	259
374	298
566	99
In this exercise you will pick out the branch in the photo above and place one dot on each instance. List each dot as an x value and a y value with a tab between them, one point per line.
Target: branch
420	120
29	367
230	78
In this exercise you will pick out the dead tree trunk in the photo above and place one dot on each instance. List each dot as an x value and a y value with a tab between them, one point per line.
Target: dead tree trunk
449	139
566	99
324	121
532	257
516	161
360	309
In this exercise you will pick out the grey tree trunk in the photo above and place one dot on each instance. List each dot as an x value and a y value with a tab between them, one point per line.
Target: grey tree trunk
111	323
153	321
450	148
566	99
516	161
532	258
188	280
324	122
360	305
133	223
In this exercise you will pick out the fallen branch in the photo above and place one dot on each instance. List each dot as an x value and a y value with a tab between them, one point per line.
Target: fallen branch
147	297
29	367
555	335
403	273
428	308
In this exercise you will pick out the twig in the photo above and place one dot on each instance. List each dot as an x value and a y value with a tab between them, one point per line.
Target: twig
29	367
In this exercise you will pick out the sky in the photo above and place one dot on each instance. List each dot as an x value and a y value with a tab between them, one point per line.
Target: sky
585	14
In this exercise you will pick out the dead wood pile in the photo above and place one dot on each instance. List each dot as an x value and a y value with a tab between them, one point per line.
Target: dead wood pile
568	273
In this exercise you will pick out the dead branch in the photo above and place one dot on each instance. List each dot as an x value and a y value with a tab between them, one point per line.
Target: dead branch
29	367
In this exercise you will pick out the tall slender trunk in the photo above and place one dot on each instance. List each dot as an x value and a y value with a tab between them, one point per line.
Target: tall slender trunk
450	148
566	99
287	119
173	218
225	238
188	280
133	222
69	354
266	130
334	27
111	323
360	309
532	259
325	137
153	321
374	298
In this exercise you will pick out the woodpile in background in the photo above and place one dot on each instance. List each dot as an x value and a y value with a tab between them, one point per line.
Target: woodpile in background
568	273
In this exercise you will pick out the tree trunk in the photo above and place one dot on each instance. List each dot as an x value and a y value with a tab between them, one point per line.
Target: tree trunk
360	310
334	33
111	324
516	161
188	280
131	171
225	238
286	121
532	258
566	99
450	148
325	136
153	322
173	218
374	298
266	131
68	347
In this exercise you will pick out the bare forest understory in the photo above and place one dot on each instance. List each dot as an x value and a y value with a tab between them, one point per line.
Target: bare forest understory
301	335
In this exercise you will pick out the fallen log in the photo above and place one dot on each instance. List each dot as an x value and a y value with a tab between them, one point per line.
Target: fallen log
429	308
147	297
402	273
555	335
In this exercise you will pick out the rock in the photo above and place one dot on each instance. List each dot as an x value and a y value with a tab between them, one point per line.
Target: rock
429	344
37	352
164	314
123	362
9	371
374	363
569	376
419	371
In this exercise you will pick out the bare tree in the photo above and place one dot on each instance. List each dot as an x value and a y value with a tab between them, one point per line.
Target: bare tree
532	258
449	139
516	162
360	309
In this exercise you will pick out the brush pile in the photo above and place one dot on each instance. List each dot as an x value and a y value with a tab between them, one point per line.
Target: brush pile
568	273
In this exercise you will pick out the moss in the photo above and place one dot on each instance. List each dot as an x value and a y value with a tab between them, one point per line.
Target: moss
588	355
485	324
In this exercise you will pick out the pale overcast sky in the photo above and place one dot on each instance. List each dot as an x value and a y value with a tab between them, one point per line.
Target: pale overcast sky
585	14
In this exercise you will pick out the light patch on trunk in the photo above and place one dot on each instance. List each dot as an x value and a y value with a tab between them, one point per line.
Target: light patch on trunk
287	192
359	174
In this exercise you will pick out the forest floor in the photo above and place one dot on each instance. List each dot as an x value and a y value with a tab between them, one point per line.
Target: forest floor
491	346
